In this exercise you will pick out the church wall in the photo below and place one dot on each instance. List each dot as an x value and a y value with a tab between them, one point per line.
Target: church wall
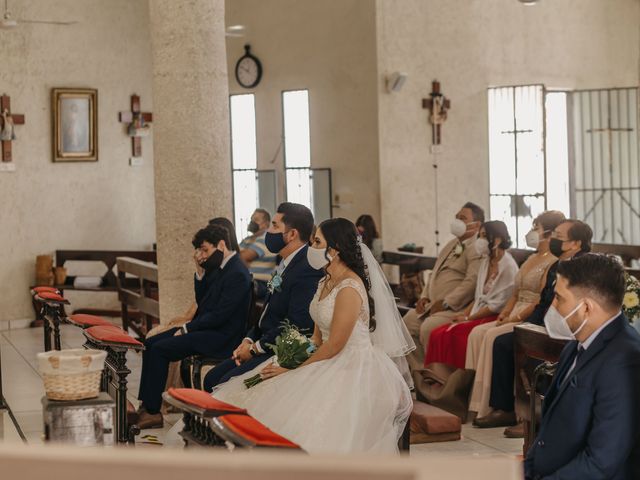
46	206
470	45
327	47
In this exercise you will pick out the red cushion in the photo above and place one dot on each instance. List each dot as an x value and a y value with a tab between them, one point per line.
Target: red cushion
45	289
202	399
111	333
51	296
251	429
85	320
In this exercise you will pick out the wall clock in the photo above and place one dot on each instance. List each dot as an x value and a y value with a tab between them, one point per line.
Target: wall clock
248	69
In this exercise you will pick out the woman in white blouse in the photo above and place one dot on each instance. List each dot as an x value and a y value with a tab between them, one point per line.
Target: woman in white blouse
494	287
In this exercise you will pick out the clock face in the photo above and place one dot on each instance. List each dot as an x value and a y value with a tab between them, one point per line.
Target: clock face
248	71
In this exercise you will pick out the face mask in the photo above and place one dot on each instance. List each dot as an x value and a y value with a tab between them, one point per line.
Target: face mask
482	246
213	262
533	239
557	325
253	227
458	228
317	257
275	242
555	245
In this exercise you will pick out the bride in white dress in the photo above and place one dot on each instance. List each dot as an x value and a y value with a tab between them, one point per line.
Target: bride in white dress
350	395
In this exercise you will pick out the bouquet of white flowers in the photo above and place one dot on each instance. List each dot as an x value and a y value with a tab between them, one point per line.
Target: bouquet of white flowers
291	350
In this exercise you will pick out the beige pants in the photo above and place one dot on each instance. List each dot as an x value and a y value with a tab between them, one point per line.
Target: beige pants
480	359
421	331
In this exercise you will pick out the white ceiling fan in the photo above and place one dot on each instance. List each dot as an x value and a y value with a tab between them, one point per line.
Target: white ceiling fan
9	22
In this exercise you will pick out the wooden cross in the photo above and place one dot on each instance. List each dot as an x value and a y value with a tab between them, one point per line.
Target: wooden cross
6	134
137	123
438	105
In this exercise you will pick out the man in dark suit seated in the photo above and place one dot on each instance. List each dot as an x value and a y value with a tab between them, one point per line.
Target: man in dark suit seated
590	426
570	239
291	289
223	292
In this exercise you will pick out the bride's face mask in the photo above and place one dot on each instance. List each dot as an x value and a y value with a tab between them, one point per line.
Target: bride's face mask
318	254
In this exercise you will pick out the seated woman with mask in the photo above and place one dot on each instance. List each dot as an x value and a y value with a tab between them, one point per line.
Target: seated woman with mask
495	285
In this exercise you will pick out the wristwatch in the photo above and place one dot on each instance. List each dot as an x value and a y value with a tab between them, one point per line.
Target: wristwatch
252	350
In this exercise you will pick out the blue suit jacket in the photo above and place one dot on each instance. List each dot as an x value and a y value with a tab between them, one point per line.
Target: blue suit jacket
291	302
223	297
590	425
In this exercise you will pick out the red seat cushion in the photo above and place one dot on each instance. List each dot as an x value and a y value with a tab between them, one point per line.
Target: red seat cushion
204	400
51	296
45	289
85	320
254	431
111	334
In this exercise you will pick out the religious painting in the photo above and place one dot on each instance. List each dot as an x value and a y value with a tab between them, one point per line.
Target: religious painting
75	124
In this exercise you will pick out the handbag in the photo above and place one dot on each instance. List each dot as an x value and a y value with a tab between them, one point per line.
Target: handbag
445	386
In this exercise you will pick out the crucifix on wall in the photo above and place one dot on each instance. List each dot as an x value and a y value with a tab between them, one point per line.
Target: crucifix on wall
8	121
438	105
137	124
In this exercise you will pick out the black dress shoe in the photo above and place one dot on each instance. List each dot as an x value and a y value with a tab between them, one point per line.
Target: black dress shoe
497	418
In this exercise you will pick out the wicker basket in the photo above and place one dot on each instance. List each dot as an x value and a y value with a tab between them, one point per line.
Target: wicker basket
71	374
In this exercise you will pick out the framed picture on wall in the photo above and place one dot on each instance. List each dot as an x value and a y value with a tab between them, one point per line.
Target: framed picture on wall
75	124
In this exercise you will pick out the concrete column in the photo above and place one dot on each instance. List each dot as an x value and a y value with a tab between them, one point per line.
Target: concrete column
190	136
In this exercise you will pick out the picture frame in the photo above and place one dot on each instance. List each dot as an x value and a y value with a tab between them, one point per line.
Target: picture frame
75	124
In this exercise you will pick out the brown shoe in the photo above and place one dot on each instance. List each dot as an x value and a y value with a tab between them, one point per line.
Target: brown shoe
497	418
147	420
517	431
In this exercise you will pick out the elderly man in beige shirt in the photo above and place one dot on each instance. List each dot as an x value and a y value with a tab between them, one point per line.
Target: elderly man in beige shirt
452	284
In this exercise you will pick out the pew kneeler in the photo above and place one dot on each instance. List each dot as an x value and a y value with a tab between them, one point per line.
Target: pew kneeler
211	422
50	305
116	342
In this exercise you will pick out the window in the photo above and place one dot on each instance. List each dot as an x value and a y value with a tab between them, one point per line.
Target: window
524	164
243	160
305	185
605	180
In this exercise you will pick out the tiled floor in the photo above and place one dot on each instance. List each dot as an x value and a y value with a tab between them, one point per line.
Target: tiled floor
23	391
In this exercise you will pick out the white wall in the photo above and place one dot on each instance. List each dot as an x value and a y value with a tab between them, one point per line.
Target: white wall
46	206
470	45
327	47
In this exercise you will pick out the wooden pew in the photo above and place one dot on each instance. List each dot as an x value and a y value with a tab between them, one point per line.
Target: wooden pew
137	285
532	346
625	252
108	283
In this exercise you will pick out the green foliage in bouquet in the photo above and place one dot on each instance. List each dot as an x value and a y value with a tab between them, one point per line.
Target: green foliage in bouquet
291	350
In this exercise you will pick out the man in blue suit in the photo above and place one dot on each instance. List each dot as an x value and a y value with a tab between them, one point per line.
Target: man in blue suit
590	426
222	290
291	290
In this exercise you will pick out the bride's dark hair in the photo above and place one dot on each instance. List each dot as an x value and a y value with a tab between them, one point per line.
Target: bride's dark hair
342	235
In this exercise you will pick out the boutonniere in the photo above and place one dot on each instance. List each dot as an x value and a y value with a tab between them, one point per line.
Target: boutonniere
275	284
458	250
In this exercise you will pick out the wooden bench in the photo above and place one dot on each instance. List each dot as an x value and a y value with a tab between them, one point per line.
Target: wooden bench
108	282
137	285
625	252
533	347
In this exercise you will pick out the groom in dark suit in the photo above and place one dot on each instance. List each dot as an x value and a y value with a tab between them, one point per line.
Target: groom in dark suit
222	291
291	290
590	425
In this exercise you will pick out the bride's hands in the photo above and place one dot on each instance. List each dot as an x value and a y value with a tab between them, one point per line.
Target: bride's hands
272	371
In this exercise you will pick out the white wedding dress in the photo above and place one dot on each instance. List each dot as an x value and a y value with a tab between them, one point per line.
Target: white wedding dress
356	401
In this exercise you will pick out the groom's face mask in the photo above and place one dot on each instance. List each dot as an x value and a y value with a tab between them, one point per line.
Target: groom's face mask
278	236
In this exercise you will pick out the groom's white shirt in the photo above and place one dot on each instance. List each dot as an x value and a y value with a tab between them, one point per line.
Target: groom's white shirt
285	262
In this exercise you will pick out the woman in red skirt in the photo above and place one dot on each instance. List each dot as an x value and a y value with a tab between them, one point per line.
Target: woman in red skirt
495	284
